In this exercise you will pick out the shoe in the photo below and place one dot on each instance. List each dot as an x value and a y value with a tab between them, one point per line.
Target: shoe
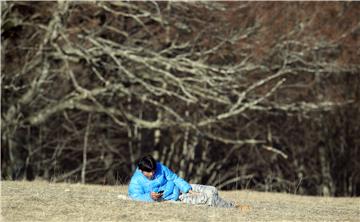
243	208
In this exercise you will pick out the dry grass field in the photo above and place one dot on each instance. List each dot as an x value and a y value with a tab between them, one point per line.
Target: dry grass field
43	201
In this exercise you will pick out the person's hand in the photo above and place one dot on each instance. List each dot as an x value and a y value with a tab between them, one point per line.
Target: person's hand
155	196
191	192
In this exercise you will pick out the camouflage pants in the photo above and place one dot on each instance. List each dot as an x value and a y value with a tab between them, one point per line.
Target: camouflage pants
205	195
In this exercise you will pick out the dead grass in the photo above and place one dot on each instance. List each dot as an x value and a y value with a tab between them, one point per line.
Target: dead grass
42	201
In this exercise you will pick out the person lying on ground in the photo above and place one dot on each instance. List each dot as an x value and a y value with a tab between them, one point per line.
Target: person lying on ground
153	181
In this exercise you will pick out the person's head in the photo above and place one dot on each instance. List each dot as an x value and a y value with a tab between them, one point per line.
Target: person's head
147	165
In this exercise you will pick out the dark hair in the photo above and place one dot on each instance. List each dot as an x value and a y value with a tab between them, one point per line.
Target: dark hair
147	164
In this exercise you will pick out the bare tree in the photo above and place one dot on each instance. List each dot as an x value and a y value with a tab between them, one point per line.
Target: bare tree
176	79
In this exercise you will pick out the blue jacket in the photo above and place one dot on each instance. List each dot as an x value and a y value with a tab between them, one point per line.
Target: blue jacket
140	187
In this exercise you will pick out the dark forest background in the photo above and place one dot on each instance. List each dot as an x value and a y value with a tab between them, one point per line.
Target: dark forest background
238	95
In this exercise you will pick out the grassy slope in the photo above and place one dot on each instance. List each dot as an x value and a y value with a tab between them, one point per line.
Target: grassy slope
42	201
